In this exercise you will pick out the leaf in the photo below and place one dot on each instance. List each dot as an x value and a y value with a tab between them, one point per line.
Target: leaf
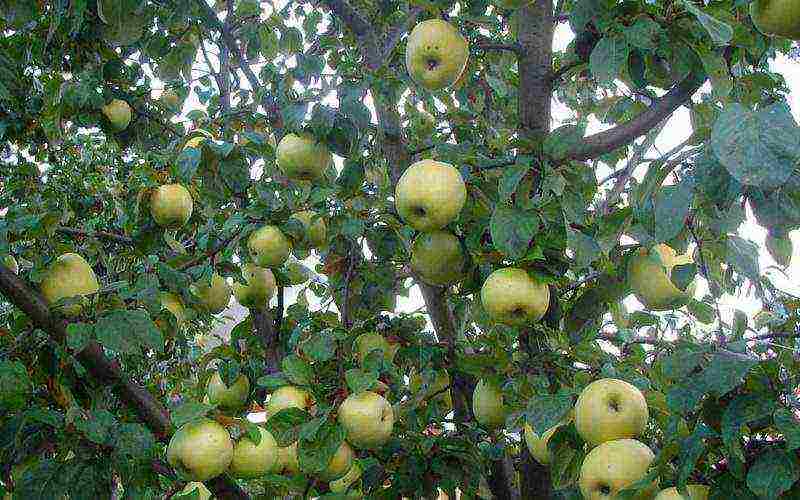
272	382
789	426
683	275
320	347
644	33
15	386
684	398
773	473
314	454
691	449
743	255
585	248
296	370
513	230
134	441
78	335
740	411
285	425
188	411
563	140
608	58
128	332
720	32
510	179
188	162
758	148
672	205
99	427
543	412
726	371
360	380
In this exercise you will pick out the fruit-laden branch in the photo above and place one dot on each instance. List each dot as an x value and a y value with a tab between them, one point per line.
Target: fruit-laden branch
100	235
625	133
104	370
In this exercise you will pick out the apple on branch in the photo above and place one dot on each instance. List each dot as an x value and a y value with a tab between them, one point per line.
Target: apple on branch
430	194
436	54
609	409
368	420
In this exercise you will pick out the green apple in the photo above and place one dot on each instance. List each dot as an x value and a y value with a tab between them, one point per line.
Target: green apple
343	483
368	420
302	157
436	54
437	257
269	247
430	194
200	488
252	460
371	341
609	409
649	278
777	17
613	466
215	295
696	492
537	445
173	304
200	450
440	382
488	406
779	247
287	396
316	232
259	289
118	113
341	462
69	276
287	462
11	263
512	297
228	398
171	206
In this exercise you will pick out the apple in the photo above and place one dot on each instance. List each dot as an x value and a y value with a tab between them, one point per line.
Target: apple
649	278
777	17
228	398
488	406
342	484
696	492
367	418
287	396
341	462
430	194
512	297
537	445
259	289
269	247
609	409
779	247
171	100
315	229
118	113
11	263
171	206
287	462
200	488
173	304
69	276
252	460
368	342
436	54
440	382
302	157
437	257
200	450
214	295
613	466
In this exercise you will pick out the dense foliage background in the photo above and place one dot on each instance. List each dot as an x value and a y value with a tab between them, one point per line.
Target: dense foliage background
87	408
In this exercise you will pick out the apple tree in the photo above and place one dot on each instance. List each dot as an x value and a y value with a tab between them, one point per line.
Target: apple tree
470	266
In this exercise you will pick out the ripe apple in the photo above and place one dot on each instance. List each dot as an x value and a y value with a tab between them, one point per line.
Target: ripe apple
287	462
69	276
214	295
777	17
779	247
252	460
537	445
613	466
341	462
430	194
487	405
436	54
118	113
343	483
11	263
171	206
287	396
315	229
696	492
437	257
269	247
367	418
259	289
609	409
173	304
228	398
200	488
649	278
200	450
368	342
302	157
512	297
439	383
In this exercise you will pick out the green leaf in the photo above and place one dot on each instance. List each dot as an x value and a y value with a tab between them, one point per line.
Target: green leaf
285	425
691	449
320	347
682	275
720	32
608	58
726	371
684	398
563	140
78	335
360	380
128	332
272	382
15	386
296	370
702	311
758	148
789	426
773	473
188	162
644	33
584	247
513	230
134	441
740	411
672	205
188	411
99	427
545	411
510	179
315	454
743	255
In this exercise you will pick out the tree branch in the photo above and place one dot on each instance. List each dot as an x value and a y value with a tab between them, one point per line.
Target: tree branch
351	17
395	33
100	235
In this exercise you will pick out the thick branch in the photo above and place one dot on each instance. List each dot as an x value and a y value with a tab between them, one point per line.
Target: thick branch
625	133
535	66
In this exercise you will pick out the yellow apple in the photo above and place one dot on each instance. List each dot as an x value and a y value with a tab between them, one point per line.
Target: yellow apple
269	247
171	206
436	54
315	229
69	276
649	278
488	406
287	396
200	450
11	263
777	17
368	342
173	304
512	297
614	466
367	418
200	488
537	445
437	257
439	383
228	398
302	157
430	194
696	492
287	462
609	409
252	460
118	113
341	462
259	289
215	295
